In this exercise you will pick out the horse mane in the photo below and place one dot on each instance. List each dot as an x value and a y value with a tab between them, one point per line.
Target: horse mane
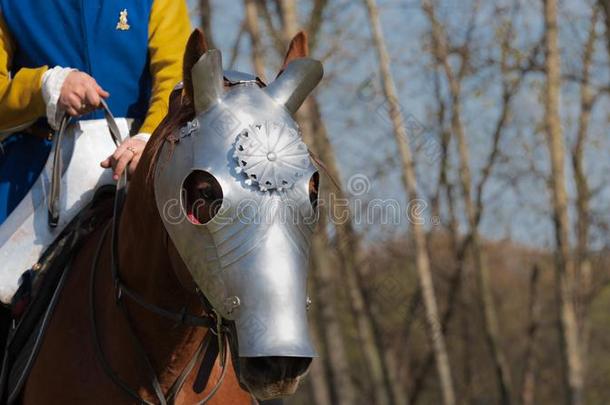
178	114
180	106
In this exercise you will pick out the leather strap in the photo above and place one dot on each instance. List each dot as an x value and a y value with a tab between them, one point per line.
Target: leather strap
120	289
182	317
152	374
207	365
99	352
55	195
179	383
15	393
102	359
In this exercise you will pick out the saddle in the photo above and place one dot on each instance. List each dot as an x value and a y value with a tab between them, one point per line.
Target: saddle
37	296
43	234
42	215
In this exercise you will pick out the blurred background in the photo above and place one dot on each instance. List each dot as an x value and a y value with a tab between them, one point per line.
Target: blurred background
463	253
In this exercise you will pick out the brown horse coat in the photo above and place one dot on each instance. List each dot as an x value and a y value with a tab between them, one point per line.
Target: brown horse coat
66	370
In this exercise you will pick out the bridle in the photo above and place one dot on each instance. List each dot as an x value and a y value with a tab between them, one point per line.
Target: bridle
214	342
207	352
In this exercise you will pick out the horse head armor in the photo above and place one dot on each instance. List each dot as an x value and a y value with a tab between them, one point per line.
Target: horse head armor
238	201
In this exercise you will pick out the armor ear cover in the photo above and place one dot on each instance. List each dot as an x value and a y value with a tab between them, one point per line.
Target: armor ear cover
295	83
208	82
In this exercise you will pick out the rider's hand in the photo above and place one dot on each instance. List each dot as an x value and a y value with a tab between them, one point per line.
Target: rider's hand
80	94
128	153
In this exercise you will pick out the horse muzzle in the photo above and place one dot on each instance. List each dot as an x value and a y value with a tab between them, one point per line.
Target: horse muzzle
272	377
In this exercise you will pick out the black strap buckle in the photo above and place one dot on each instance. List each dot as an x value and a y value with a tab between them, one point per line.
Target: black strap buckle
118	288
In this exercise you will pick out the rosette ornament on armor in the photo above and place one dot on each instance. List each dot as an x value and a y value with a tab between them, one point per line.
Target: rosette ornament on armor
247	249
271	155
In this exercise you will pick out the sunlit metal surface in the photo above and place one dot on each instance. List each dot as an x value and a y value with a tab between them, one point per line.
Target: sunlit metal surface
251	259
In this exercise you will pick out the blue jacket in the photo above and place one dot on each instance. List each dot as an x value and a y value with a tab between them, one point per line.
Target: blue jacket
83	34
133	49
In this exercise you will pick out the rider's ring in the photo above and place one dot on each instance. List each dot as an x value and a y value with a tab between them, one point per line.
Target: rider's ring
131	149
83	106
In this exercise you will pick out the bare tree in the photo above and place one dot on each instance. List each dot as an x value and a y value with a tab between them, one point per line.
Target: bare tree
459	245
205	13
583	193
315	21
326	284
410	182
287	10
565	276
314	133
454	80
347	239
323	324
251	24
528	382
605	5
350	256
275	33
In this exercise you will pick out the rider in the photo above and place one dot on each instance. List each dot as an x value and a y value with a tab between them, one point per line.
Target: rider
64	56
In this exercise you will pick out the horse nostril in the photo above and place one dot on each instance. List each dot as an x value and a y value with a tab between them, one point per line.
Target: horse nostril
300	365
275	368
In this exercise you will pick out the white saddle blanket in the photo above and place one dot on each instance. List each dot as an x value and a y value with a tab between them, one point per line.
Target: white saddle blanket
26	234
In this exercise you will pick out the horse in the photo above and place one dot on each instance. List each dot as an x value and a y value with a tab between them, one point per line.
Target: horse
122	338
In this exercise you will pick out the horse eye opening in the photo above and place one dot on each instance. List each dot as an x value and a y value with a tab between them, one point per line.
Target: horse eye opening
201	197
314	184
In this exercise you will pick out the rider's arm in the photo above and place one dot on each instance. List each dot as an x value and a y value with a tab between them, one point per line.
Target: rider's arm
21	99
168	30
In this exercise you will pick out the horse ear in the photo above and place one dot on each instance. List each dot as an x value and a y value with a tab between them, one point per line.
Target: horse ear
298	48
195	48
298	76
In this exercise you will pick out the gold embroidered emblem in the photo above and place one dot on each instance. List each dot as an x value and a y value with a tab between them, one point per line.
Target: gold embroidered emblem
122	24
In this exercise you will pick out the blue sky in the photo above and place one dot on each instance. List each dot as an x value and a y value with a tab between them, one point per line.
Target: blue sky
517	200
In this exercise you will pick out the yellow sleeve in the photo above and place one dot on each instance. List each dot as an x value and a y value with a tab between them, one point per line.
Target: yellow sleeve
168	32
20	96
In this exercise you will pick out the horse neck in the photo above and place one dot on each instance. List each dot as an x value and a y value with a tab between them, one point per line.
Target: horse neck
146	267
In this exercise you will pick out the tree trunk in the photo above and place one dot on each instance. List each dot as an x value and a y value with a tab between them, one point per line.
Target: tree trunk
409	179
570	344
320	385
466	397
583	194
325	287
205	13
253	30
347	240
344	391
605	6
399	397
290	21
528	382
348	248
319	377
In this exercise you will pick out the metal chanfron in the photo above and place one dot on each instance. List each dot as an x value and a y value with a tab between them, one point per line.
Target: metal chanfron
251	258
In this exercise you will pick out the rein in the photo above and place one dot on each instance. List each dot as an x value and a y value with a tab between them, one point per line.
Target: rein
208	350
